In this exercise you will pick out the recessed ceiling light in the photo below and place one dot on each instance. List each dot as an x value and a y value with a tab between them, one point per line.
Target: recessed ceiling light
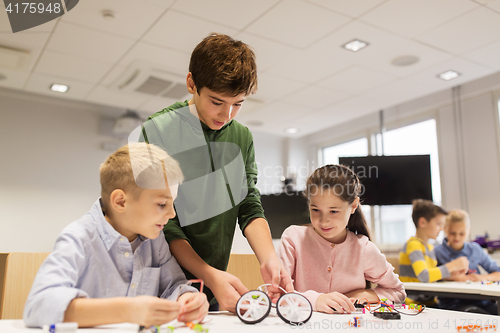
292	130
355	45
406	60
448	75
108	14
62	88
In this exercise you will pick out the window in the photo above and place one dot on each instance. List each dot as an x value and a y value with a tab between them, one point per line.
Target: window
352	148
498	110
392	225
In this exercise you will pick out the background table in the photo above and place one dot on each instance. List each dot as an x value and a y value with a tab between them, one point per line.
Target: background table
472	290
431	320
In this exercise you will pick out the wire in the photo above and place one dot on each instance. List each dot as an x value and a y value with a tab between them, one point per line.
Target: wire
392	308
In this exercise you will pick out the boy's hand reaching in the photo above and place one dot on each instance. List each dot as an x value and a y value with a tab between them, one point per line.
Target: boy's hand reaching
273	273
459	265
227	289
335	302
475	277
149	310
193	307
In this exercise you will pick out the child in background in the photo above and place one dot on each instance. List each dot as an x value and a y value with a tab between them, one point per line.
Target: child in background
417	260
332	258
104	261
457	230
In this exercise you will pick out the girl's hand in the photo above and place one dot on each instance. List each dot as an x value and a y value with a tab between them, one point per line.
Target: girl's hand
194	307
335	302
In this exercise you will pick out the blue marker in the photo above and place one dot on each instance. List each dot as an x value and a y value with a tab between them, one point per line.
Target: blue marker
60	327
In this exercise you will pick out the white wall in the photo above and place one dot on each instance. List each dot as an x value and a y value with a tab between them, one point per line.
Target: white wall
49	170
472	168
270	160
299	165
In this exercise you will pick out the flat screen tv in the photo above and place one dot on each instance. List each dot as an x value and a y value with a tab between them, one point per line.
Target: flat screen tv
392	180
283	210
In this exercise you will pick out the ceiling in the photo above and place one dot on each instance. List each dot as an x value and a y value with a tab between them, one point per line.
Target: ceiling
306	79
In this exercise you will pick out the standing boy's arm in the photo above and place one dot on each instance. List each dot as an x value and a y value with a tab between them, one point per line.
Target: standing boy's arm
259	237
174	287
226	288
173	282
255	227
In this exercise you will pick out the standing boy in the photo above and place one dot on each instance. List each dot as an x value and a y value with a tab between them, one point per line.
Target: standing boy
417	260
110	266
217	157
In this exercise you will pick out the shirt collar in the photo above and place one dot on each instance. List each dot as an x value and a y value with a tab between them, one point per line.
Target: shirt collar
107	233
426	245
323	241
445	243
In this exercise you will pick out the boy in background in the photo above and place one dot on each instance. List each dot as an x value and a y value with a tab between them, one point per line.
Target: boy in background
457	229
417	260
110	266
216	155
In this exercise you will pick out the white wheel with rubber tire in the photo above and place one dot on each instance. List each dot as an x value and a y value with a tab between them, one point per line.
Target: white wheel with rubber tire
294	308
253	307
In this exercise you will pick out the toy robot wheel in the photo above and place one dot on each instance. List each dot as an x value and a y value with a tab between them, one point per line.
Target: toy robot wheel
253	307
294	308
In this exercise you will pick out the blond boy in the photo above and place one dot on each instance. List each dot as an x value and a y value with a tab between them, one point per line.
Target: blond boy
110	266
457	229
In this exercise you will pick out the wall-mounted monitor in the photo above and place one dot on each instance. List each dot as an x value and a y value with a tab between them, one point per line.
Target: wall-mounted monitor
283	210
392	180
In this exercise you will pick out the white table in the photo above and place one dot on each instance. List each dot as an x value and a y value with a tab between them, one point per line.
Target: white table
467	290
431	320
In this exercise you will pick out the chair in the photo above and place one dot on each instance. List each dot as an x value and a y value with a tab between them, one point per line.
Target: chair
17	272
394	261
473	309
246	267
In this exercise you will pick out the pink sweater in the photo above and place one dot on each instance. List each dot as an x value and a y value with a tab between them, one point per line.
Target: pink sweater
318	266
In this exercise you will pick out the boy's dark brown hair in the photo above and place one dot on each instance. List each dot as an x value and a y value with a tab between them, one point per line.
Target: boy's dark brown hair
426	209
224	65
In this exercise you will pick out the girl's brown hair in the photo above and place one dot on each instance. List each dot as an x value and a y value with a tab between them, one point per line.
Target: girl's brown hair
345	184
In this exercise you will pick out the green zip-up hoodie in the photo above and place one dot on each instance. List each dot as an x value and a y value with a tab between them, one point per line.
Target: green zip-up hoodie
219	187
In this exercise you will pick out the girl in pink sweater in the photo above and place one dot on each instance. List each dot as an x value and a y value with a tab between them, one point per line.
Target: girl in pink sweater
332	259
